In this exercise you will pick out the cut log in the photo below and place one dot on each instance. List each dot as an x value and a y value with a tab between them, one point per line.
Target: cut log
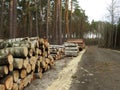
11	67
21	84
8	82
25	63
33	67
18	63
23	73
33	60
15	86
17	52
30	52
39	52
47	60
42	64
34	44
15	75
41	41
29	68
2	87
6	59
3	70
34	38
36	52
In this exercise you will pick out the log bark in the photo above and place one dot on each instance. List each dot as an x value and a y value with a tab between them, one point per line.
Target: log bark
34	38
6	59
8	82
15	75
17	52
2	87
17	63
3	70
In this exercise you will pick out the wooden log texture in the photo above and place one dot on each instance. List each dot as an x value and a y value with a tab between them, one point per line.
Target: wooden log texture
21	84
2	87
8	82
11	67
29	68
3	70
42	64
30	52
17	52
15	86
18	63
15	74
23	73
47	60
6	59
25	63
33	60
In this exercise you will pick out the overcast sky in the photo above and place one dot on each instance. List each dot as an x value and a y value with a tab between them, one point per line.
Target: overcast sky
95	9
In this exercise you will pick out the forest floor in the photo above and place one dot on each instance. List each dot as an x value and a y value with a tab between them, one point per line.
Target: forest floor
94	69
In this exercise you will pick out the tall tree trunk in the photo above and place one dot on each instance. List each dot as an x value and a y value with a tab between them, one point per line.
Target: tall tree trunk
59	22
66	19
71	26
55	22
48	19
14	18
11	19
36	18
1	19
40	16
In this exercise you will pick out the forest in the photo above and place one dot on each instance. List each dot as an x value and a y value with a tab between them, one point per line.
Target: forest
56	20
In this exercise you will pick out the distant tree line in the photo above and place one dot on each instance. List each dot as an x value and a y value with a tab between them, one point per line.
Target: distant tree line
107	32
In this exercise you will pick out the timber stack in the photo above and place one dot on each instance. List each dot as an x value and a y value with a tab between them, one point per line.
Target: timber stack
21	60
57	51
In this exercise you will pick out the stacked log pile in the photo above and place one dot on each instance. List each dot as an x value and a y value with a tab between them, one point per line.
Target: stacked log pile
21	59
57	51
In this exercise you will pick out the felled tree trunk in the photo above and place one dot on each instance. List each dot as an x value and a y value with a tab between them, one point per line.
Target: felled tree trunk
17	52
15	86
23	73
3	70
8	82
18	63
15	75
6	59
11	67
2	87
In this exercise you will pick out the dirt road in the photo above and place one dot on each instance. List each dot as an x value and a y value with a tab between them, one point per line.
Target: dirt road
94	69
99	69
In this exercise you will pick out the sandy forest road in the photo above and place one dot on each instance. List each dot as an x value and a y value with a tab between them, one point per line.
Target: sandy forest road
59	78
99	69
